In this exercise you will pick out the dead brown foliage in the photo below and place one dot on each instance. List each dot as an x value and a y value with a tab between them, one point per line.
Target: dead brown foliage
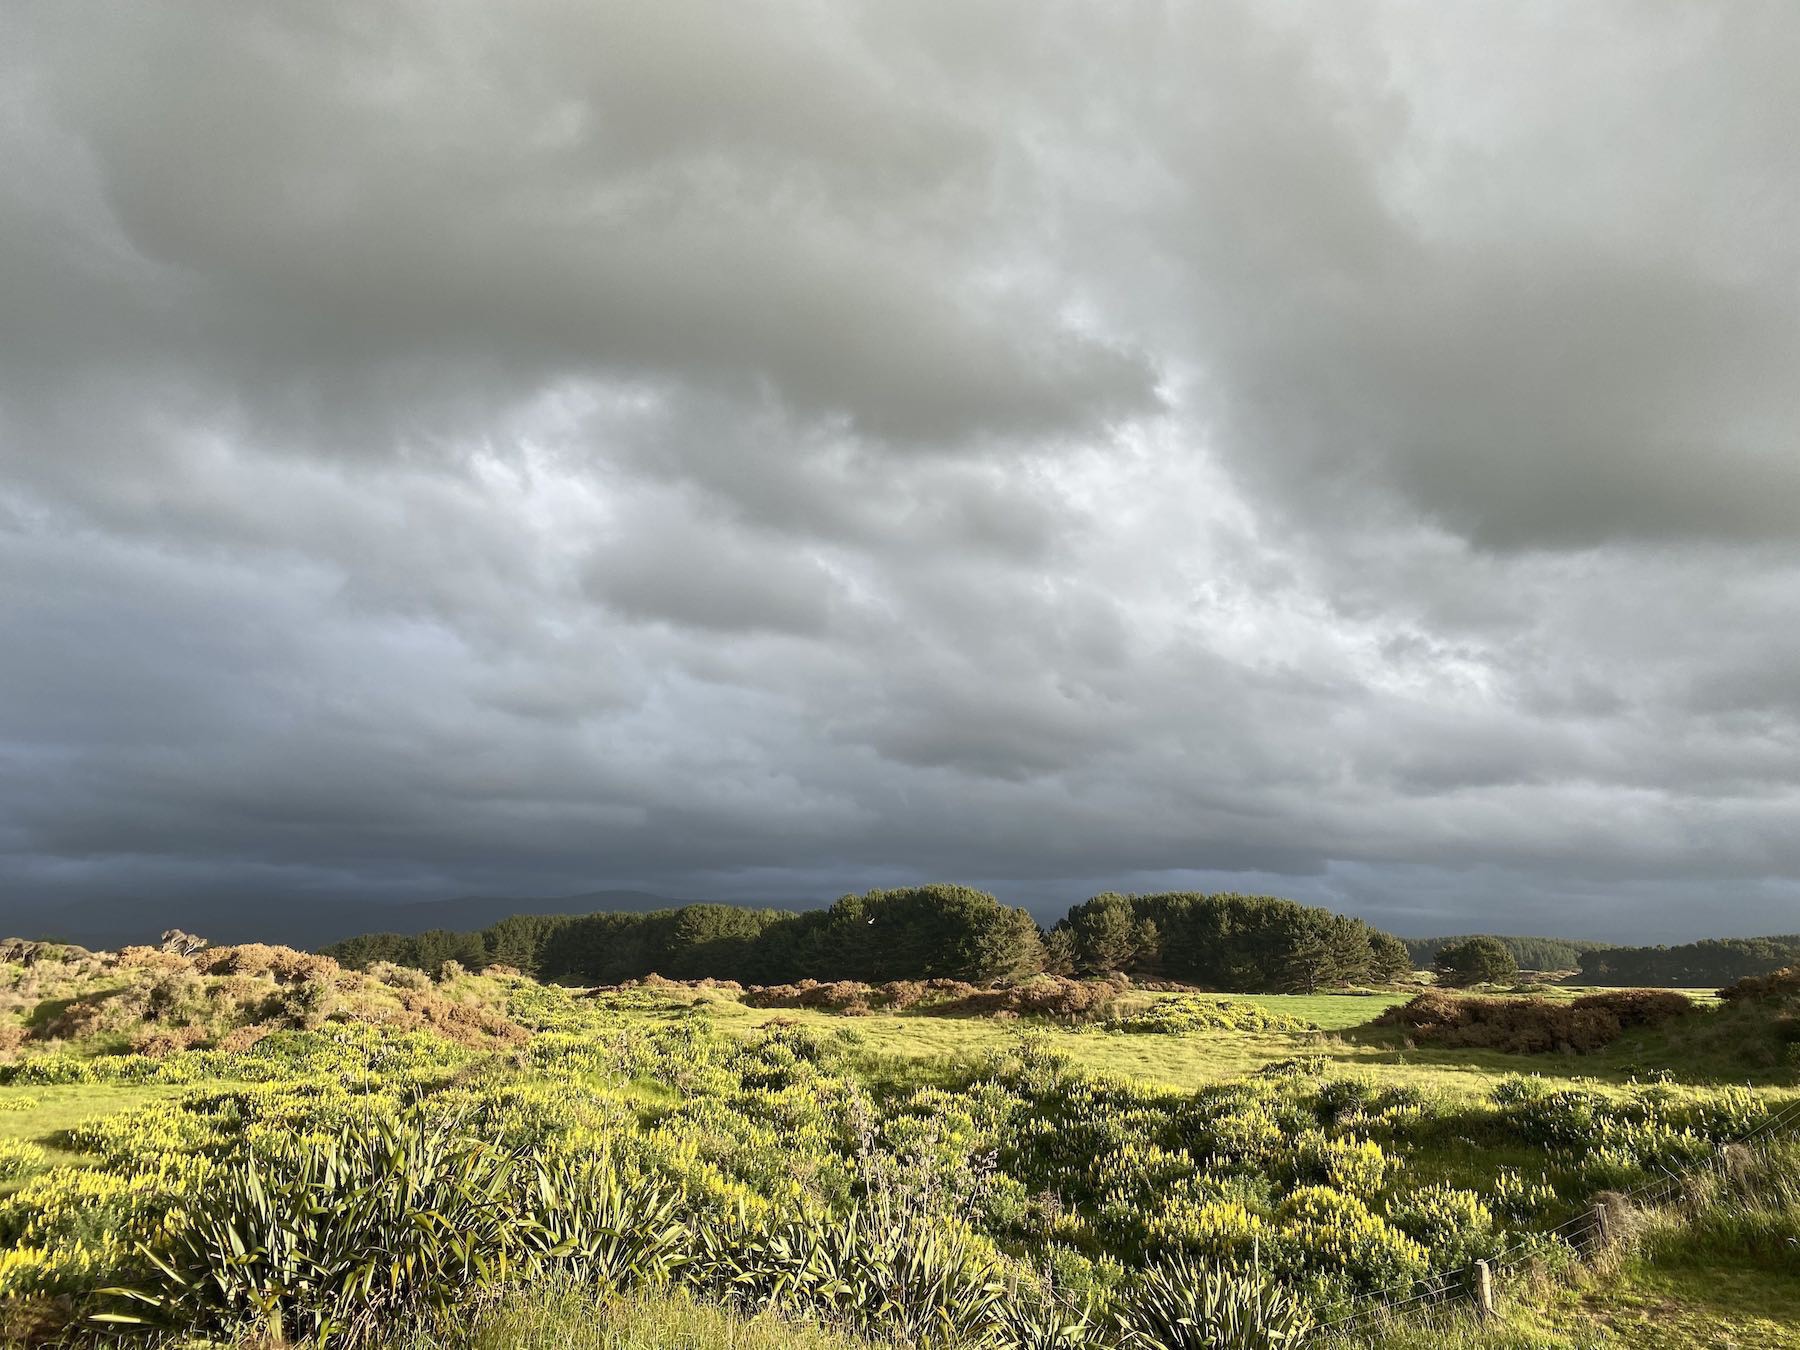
1533	1025
1777	986
161	1042
282	964
242	1038
467	1023
153	959
1639	1007
1045	996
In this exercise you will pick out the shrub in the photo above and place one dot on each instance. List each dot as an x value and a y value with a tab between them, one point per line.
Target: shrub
18	1158
1185	1306
1777	986
1638	1007
1326	1232
1454	1225
161	1042
282	964
1176	1016
1355	1166
1521	1025
324	1238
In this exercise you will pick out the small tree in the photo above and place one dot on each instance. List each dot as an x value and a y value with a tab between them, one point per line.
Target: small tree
1310	963
1102	929
1059	951
1476	960
1388	957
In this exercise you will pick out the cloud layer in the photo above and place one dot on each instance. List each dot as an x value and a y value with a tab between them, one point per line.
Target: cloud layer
757	450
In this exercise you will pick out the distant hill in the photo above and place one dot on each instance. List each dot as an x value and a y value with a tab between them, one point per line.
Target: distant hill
1532	953
309	924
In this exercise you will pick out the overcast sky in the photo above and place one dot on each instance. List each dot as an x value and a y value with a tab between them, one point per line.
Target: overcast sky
761	450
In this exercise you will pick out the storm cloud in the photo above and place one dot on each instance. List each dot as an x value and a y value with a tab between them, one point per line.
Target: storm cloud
759	450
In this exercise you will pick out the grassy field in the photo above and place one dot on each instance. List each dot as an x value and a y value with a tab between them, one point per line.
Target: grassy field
49	1113
1065	1164
557	1318
1198	1058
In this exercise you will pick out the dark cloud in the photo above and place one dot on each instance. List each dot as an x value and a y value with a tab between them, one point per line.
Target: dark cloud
757	452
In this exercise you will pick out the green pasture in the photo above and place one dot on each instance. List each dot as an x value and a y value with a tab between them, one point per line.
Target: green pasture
1195	1059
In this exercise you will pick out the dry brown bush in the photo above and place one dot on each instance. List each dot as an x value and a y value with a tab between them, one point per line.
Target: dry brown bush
81	1018
12	1036
1639	1007
152	958
237	1041
467	1023
399	977
282	964
1532	1025
1043	996
239	994
1053	996
161	1042
1779	985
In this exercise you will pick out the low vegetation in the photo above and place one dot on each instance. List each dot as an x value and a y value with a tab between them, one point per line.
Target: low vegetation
257	1145
1535	1025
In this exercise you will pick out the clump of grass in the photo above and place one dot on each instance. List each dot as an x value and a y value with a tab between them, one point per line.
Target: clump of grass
1177	1016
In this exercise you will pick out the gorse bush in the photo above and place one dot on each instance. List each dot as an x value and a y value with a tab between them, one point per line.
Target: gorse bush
1532	1025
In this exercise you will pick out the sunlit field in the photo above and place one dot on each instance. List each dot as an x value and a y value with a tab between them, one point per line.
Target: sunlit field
390	1158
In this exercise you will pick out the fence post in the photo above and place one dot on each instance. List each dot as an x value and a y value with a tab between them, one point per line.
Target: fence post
1484	1290
1602	1228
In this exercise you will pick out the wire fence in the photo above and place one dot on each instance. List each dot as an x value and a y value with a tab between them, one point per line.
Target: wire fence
1584	1233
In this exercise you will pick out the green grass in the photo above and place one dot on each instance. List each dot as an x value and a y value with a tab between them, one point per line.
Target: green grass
61	1108
1198	1058
1719	1307
552	1318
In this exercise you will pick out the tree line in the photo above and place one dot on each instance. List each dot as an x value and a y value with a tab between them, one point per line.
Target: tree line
1225	941
1711	963
1530	953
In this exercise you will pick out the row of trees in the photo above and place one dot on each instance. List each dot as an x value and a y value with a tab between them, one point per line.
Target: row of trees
1239	942
1232	942
1528	953
1694	965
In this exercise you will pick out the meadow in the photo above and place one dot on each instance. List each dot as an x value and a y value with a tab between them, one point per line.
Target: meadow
251	1146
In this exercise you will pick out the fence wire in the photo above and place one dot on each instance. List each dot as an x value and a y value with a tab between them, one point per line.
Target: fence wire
1442	1290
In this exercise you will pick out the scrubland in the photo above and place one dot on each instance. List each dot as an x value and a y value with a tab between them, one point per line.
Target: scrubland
255	1146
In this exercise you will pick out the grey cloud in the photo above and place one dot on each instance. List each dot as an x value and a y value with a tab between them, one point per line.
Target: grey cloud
761	451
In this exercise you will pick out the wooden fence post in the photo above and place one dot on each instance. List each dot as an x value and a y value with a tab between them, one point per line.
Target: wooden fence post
1484	1290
